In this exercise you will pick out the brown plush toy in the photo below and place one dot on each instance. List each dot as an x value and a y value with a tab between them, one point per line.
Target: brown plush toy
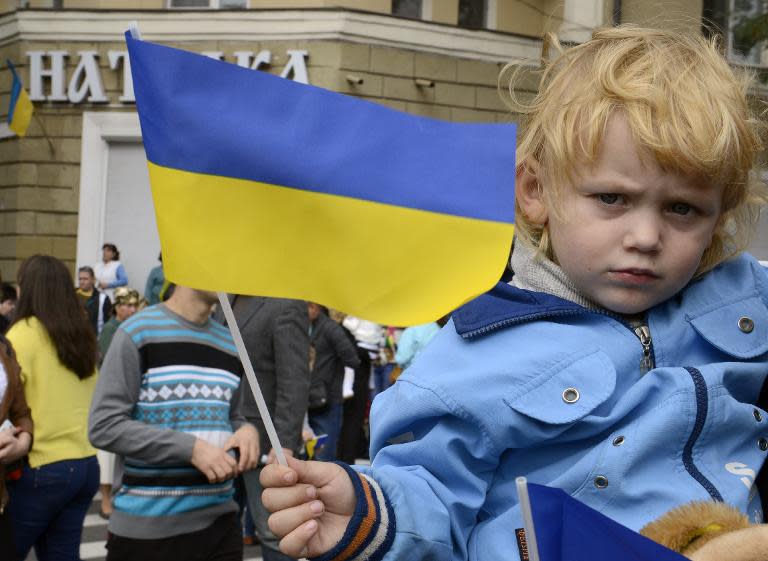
710	531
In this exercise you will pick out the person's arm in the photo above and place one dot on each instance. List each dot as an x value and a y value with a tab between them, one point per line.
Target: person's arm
19	413
111	426
342	346
148	286
406	348
121	277
291	351
245	437
414	502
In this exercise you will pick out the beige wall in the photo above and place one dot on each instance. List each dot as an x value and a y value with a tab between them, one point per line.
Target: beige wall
116	4
515	17
445	11
39	188
380	6
671	14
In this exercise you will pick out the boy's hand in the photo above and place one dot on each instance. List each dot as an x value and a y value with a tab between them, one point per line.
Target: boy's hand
311	505
272	457
213	462
246	440
14	444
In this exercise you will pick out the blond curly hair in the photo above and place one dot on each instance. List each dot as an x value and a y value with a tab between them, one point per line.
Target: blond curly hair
683	102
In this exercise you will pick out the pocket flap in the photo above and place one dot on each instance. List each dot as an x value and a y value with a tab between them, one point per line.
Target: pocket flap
569	391
739	329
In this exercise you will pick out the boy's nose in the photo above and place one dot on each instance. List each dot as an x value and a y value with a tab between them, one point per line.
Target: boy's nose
643	234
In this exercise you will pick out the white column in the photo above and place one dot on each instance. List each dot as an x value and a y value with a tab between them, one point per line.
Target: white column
580	17
426	10
491	14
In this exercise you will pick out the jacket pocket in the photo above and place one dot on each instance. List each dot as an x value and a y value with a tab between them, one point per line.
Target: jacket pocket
739	329
318	395
568	391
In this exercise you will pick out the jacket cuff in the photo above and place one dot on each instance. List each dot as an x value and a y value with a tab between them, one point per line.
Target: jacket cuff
370	533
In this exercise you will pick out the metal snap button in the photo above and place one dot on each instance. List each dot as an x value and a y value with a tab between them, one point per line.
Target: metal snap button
570	395
601	481
763	444
746	324
757	415
618	441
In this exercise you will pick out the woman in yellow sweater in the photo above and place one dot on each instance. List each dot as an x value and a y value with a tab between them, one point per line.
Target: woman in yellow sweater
56	348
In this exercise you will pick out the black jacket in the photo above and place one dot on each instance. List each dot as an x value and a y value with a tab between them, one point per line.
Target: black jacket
333	351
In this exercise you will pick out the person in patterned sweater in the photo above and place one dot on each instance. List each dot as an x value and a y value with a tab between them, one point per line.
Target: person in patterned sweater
168	404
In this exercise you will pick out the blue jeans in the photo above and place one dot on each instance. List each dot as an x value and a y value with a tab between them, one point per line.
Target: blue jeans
48	506
328	422
381	378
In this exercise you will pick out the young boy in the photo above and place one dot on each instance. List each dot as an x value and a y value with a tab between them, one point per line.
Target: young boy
621	365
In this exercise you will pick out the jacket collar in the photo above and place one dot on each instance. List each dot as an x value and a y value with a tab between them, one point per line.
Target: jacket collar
505	305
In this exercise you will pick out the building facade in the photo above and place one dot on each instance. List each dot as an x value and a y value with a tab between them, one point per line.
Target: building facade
79	179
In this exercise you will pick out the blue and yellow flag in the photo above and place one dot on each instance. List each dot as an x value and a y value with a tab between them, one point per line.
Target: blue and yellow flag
266	186
314	445
569	530
20	108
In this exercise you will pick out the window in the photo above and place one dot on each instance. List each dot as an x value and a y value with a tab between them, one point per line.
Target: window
214	4
407	8
472	14
748	33
744	26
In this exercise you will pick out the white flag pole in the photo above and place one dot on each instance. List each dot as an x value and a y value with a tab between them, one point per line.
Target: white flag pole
251	375
133	29
525	509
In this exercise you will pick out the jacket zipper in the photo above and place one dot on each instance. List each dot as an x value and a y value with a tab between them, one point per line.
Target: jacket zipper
644	334
647	362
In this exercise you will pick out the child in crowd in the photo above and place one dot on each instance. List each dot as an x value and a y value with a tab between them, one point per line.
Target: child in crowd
623	362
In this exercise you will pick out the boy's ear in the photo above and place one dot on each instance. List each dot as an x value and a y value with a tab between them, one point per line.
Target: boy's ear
529	194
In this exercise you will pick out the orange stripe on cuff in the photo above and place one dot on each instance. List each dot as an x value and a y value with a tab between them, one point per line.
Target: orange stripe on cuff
367	525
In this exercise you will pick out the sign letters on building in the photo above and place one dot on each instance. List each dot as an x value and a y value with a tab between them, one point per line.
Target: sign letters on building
86	86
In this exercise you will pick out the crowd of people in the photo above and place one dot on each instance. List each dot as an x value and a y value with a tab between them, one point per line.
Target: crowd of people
622	362
104	389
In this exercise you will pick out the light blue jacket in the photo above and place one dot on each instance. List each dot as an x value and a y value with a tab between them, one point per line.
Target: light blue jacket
486	402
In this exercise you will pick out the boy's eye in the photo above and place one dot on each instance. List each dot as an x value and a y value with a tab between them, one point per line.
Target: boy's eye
681	208
608	198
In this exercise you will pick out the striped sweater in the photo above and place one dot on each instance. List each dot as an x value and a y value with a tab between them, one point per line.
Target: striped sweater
165	382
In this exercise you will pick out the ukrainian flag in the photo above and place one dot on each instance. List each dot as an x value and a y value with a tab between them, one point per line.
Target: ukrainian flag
20	108
265	186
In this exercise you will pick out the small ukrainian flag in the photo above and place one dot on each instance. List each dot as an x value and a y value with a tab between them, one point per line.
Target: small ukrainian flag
269	187
20	108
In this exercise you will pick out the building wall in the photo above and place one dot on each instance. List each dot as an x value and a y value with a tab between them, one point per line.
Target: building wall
115	4
40	173
668	14
38	180
445	11
380	6
530	18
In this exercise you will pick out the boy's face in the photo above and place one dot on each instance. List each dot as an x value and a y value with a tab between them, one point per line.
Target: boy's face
632	235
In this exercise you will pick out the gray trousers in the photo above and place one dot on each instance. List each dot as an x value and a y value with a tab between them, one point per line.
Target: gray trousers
270	548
